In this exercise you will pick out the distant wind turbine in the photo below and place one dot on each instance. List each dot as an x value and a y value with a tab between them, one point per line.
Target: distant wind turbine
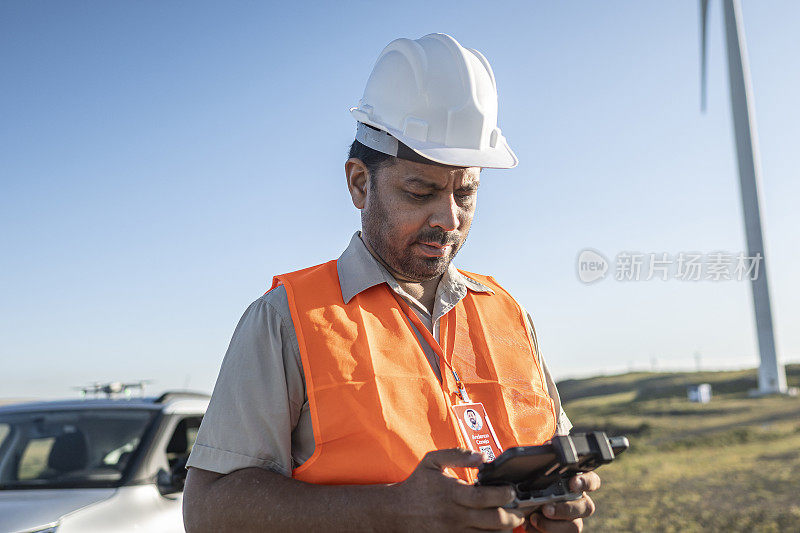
771	375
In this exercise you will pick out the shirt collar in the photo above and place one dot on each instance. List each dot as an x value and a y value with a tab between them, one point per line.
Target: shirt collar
358	271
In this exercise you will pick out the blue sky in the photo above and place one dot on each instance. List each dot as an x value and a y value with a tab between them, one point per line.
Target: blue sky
161	161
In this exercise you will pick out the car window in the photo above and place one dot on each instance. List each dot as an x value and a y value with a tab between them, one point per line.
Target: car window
34	458
182	440
70	448
121	454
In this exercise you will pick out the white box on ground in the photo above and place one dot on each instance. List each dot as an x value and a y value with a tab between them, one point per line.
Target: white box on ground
700	393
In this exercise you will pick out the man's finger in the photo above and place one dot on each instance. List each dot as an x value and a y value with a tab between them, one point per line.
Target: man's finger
454	457
587	482
483	497
539	523
569	510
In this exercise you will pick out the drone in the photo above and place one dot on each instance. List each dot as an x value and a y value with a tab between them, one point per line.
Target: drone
113	388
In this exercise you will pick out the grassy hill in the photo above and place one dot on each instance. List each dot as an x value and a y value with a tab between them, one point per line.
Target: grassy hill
729	465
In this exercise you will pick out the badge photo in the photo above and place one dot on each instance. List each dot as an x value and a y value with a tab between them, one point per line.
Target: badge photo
473	419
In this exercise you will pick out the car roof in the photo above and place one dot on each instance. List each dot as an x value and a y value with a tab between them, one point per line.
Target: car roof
72	405
186	406
170	403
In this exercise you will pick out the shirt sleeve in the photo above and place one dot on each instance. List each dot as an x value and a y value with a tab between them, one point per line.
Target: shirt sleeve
258	396
563	424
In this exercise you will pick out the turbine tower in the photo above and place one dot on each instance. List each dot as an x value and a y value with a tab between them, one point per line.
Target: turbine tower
771	375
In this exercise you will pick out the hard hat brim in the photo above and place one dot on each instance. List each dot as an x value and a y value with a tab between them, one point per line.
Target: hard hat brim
499	156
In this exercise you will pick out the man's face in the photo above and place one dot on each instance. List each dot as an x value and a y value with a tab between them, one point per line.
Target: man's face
416	216
472	418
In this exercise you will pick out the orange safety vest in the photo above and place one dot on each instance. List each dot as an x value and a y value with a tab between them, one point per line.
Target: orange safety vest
376	404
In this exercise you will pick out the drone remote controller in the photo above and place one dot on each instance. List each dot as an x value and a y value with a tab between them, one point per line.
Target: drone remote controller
541	474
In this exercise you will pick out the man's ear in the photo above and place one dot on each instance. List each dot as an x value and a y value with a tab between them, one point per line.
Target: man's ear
357	181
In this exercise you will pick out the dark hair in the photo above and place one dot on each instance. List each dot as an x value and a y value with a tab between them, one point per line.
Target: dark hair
372	159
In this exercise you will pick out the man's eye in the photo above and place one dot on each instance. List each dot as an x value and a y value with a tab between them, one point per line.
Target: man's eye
419	196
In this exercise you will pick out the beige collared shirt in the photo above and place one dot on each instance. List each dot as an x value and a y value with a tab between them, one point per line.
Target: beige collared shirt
259	414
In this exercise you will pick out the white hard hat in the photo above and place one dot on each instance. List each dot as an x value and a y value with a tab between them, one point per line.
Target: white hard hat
437	98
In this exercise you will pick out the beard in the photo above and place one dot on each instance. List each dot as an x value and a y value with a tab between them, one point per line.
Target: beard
396	252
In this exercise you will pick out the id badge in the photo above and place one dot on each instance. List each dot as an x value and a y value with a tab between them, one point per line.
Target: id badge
477	429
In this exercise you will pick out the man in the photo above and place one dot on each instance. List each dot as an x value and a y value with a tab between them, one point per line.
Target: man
472	415
338	401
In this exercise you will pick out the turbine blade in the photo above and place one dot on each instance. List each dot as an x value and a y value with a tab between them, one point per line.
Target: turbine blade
703	46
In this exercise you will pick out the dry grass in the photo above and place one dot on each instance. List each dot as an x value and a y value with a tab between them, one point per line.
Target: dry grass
725	466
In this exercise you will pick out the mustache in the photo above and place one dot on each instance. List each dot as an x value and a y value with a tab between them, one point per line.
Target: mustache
440	237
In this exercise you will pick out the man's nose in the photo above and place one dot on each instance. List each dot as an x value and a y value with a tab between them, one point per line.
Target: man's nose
445	215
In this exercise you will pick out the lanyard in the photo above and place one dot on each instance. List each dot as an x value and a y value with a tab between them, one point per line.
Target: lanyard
435	346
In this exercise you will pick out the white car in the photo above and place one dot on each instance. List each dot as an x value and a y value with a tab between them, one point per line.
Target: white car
110	465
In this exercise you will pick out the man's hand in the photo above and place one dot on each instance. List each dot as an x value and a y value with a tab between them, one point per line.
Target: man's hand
430	500
567	517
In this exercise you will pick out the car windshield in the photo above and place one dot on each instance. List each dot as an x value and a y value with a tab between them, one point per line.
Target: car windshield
70	448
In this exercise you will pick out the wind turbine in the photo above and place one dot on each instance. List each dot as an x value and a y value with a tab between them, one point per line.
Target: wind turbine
771	375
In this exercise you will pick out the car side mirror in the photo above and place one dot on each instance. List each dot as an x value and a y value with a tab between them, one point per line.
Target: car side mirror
164	482
171	482
179	473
